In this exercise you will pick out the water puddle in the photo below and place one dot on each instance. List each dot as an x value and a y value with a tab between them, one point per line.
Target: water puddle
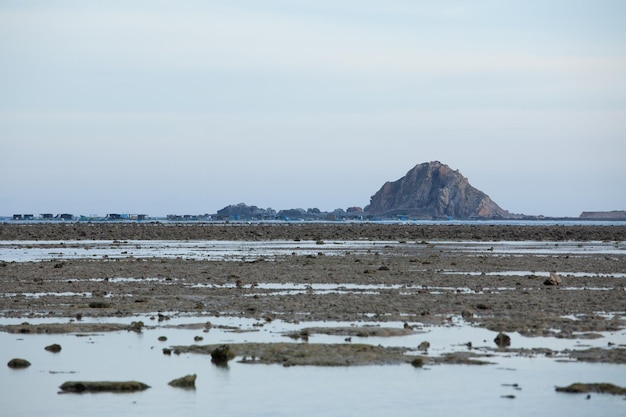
28	251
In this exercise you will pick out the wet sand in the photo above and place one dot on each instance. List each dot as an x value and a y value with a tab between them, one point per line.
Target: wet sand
417	281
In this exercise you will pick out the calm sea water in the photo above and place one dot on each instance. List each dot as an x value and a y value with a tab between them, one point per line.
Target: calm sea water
273	390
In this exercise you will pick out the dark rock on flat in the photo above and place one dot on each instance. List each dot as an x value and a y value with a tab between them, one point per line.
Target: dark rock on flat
502	340
222	354
18	363
601	388
554	279
103	386
99	304
187	381
54	348
417	362
433	190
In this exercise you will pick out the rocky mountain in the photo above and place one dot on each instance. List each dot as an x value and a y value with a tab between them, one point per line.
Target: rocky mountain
433	190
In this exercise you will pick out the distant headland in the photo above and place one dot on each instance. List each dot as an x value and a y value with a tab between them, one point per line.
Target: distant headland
428	191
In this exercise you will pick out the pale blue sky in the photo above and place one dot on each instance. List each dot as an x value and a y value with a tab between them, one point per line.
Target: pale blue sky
182	107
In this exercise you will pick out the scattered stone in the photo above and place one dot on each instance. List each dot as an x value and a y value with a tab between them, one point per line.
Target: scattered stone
417	362
187	381
601	388
502	340
423	346
554	279
99	304
467	314
54	348
198	338
167	351
136	326
103	386
162	338
18	363
222	354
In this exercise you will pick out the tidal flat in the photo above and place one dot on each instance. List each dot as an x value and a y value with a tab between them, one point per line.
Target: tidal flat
338	295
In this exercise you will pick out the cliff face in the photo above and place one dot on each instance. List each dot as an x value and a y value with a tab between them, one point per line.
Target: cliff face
433	190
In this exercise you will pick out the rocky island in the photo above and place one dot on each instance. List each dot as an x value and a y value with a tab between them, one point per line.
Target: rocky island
433	190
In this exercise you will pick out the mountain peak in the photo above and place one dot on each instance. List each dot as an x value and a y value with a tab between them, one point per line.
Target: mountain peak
433	190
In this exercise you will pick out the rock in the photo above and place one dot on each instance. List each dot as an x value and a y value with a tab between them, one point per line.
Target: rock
417	362
243	211
103	386
222	354
99	304
162	338
136	326
502	340
433	190
54	348
198	338
187	381
554	279
18	363
467	314
424	346
601	388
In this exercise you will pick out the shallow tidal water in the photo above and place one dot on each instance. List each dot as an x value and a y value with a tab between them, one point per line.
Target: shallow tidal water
273	390
513	385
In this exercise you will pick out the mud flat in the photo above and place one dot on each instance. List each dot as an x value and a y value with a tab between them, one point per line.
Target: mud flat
428	274
306	231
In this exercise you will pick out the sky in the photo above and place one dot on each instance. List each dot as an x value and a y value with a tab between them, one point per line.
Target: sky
184	107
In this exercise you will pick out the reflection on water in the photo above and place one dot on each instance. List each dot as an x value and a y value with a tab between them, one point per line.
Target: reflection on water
24	251
273	390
